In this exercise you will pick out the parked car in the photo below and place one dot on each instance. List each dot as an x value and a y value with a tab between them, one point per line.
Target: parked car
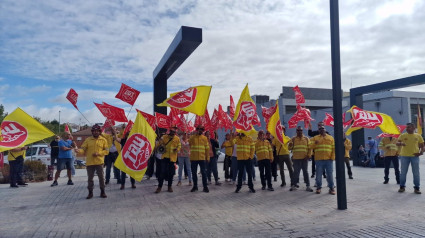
79	162
221	156
39	152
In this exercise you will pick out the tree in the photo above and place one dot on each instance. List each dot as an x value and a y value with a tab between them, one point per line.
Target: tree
2	114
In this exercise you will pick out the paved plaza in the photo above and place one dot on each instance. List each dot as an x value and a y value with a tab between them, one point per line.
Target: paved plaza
374	210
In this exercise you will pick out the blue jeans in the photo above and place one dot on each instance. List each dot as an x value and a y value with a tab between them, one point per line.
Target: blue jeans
327	166
405	161
182	161
212	168
72	166
109	161
194	167
372	159
235	169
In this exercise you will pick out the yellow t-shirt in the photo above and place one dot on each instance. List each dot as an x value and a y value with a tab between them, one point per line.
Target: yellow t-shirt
92	145
13	155
411	141
228	148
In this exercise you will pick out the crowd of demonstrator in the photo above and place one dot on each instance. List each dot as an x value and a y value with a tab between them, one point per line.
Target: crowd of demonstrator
200	149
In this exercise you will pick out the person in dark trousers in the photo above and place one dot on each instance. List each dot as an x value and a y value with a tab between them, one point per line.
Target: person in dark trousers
312	134
123	174
212	163
347	146
54	150
245	149
114	148
16	162
228	151
199	152
274	162
65	158
264	152
391	152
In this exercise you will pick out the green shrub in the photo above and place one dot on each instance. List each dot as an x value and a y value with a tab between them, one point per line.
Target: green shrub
5	172
34	171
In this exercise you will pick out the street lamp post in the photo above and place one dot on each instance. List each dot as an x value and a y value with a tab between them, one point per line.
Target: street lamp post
59	130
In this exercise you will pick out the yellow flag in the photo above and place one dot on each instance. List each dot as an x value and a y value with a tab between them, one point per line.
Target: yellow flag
371	120
19	129
275	126
246	114
194	100
134	156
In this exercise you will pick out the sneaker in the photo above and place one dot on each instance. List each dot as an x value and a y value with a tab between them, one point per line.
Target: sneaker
350	177
417	191
22	184
251	190
190	183
401	190
237	190
385	182
318	191
263	188
55	183
14	186
283	184
293	188
308	189
194	189
270	189
179	183
312	176
70	182
332	191
218	183
206	190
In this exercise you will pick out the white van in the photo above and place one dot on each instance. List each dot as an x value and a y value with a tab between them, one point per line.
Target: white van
36	152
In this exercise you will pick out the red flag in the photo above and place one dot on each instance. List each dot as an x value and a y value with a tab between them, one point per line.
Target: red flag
128	127
232	107
400	127
108	123
162	121
149	118
329	120
299	97
214	120
268	112
302	114
72	97
127	94
67	128
204	121
345	124
1	160
175	118
111	112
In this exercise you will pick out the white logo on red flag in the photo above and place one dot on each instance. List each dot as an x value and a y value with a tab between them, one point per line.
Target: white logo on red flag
162	121
299	97
183	99
279	131
111	112
136	152
13	134
366	119
127	94
247	115
72	97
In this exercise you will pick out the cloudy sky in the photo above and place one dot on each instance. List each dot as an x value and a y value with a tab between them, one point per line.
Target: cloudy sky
48	47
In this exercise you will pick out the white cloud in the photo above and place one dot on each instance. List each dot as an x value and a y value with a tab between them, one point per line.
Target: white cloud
267	44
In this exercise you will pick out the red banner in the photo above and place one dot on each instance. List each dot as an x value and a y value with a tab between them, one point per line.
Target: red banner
108	123
232	107
111	112
268	112
302	114
299	97
127	94
128	128
150	118
204	121
400	127
72	97
162	121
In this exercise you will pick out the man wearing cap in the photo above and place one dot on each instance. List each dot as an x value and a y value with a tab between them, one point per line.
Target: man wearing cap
172	145
324	154
95	148
199	153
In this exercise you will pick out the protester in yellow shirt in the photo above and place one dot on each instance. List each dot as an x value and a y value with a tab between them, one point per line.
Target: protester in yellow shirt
412	146
95	148
282	153
324	154
301	153
391	151
172	145
264	154
228	151
347	146
245	153
16	159
199	153
114	148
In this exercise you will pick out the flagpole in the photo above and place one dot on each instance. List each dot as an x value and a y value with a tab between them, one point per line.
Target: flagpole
83	116
130	110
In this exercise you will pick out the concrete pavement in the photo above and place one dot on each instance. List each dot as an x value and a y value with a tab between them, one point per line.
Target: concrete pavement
374	210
